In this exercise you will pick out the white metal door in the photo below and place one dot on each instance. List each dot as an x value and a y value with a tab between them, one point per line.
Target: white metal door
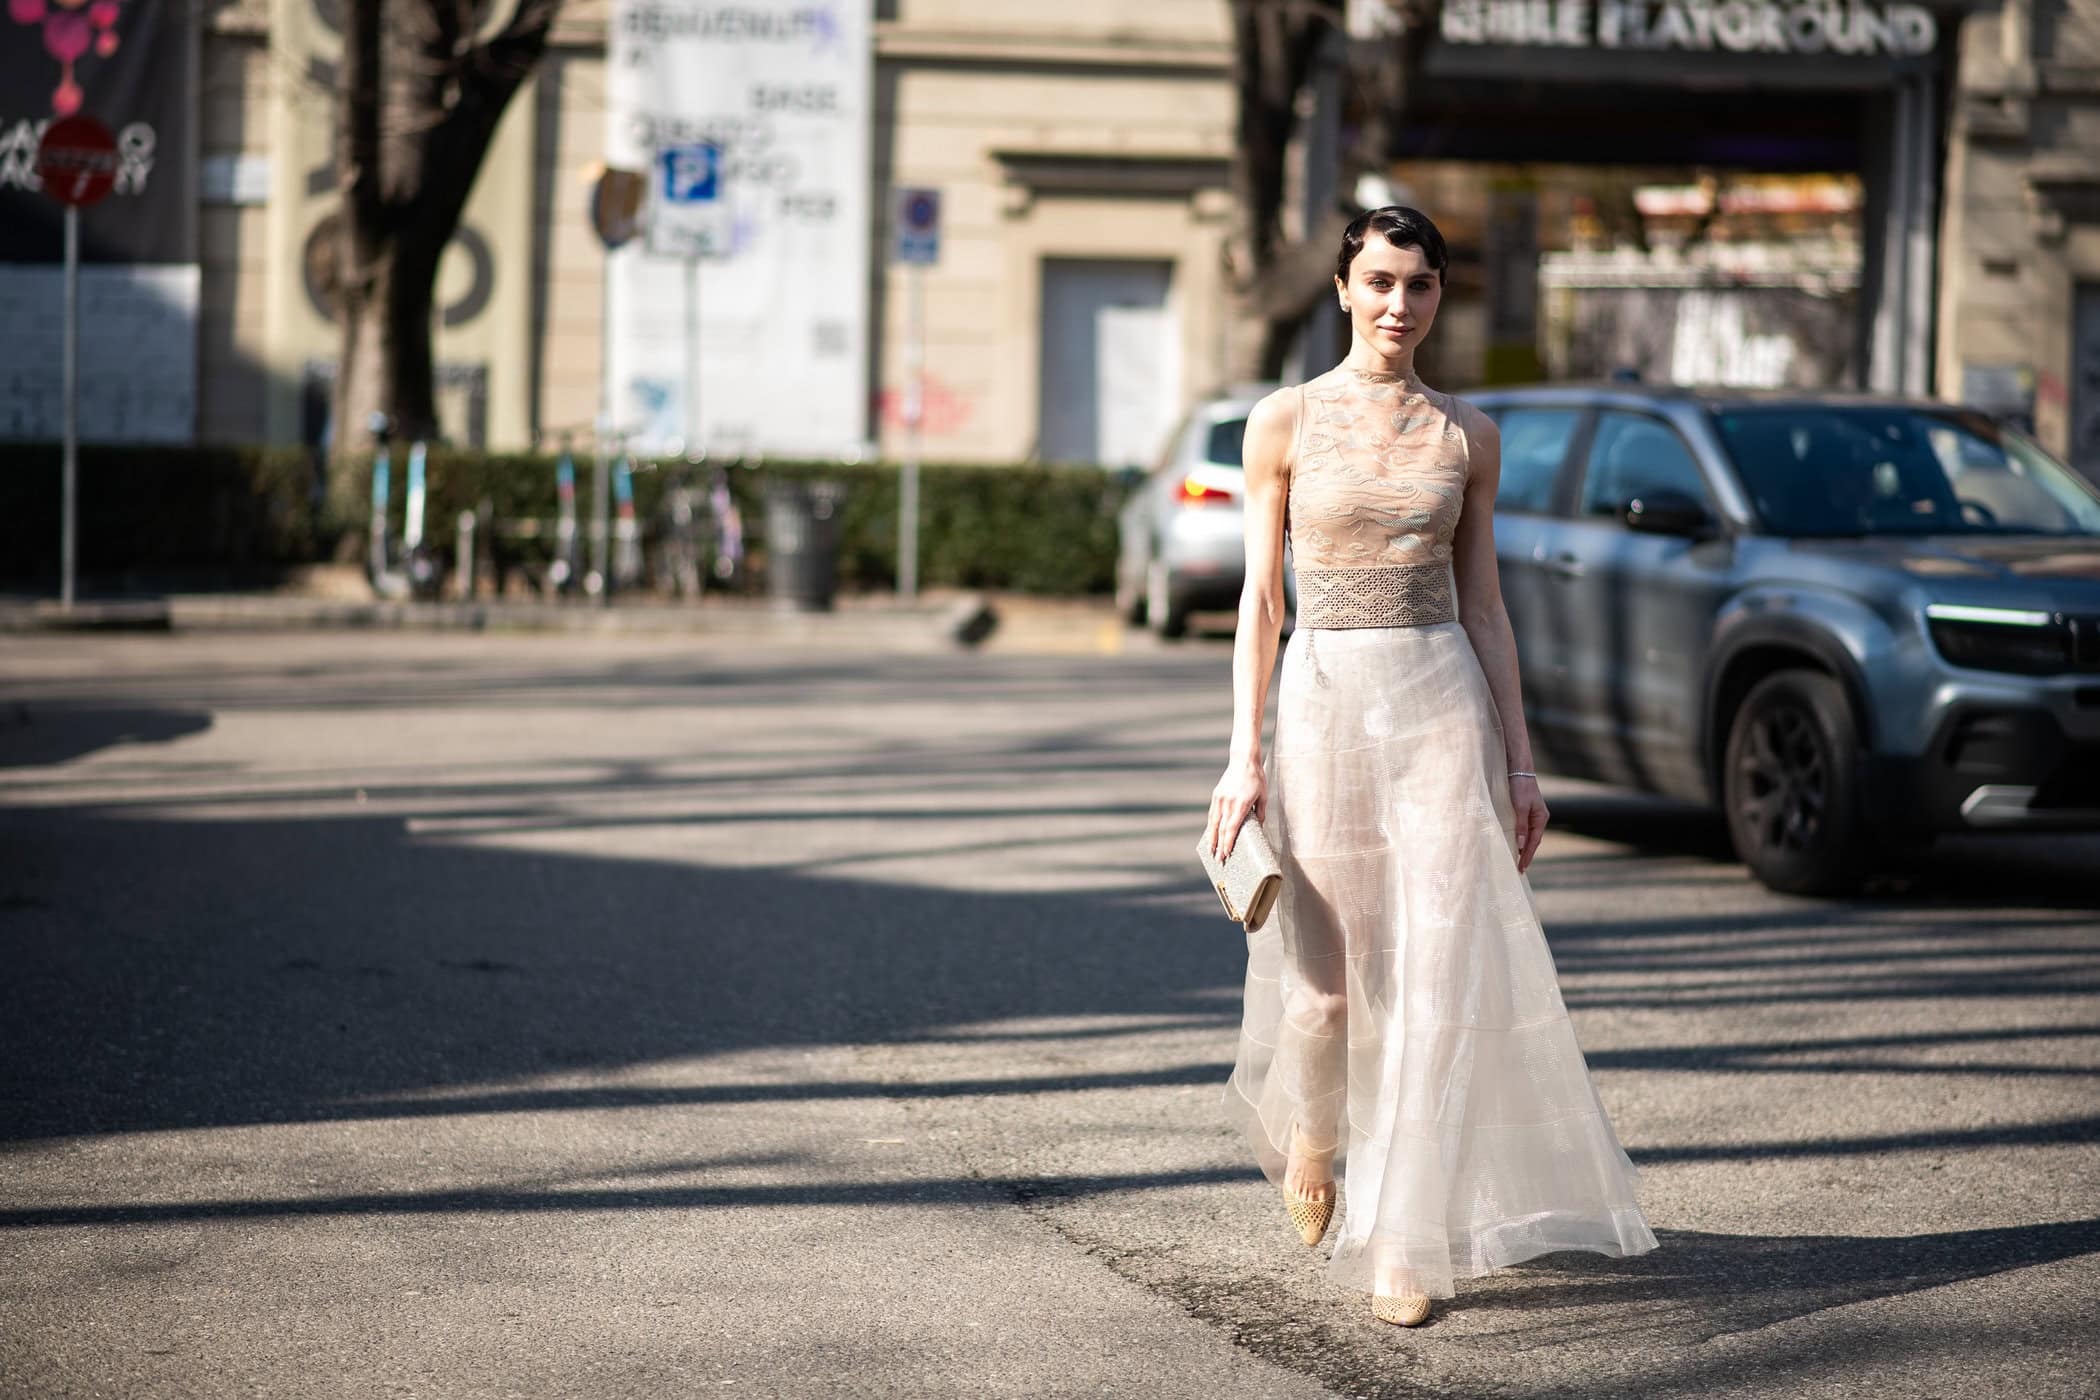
1111	372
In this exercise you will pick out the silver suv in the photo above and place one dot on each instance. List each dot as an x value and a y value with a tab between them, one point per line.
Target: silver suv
1848	622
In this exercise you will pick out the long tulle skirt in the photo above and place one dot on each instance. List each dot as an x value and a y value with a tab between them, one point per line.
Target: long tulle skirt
1401	1004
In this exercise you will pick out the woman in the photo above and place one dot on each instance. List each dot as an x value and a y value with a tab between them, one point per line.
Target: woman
1402	1011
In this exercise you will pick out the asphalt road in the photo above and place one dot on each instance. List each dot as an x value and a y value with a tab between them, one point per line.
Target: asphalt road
413	1015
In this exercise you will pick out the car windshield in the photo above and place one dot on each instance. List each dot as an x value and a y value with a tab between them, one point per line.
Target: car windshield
1821	470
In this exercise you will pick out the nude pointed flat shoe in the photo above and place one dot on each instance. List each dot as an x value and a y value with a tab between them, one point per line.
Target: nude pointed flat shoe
1310	1217
1310	1214
1404	1310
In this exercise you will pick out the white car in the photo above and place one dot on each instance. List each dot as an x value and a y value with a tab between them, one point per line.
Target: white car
1181	544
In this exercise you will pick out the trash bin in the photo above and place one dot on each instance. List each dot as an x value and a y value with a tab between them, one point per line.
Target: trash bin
802	544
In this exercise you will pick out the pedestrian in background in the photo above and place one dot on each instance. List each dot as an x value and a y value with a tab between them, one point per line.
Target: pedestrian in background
1403	1019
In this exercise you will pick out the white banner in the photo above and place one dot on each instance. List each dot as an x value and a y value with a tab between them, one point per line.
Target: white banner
780	317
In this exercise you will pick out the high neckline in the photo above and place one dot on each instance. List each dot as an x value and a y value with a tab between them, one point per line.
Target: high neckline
1405	378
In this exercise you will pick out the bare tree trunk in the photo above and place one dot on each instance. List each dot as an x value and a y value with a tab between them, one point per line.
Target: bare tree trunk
1277	281
1274	42
418	97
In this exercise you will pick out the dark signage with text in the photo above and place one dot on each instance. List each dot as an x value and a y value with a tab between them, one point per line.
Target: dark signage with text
130	66
1848	28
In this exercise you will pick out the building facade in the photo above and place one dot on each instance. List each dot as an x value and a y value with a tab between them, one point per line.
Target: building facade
1083	153
2019	269
1082	161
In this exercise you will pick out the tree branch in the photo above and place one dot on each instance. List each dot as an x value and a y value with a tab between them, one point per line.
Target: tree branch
1273	49
1276	44
476	89
518	45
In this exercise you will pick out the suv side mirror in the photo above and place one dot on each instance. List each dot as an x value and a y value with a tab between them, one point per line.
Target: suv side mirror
1667	512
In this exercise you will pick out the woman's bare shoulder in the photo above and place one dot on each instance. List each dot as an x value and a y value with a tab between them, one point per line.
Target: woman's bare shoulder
1470	416
1272	430
1483	438
1276	405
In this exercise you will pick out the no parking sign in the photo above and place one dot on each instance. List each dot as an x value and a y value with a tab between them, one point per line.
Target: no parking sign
918	226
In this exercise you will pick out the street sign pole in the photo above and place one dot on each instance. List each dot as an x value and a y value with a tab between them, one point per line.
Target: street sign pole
69	528
918	246
76	163
599	580
692	357
599	498
914	415
687	220
616	216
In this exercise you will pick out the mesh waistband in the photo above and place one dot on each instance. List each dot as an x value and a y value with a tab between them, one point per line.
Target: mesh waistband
1412	595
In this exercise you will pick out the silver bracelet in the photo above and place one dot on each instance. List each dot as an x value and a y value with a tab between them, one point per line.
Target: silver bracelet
1520	773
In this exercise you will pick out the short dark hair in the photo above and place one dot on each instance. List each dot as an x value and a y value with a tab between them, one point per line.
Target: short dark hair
1398	225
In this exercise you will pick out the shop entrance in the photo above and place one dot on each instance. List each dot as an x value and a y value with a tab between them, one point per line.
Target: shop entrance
1695	191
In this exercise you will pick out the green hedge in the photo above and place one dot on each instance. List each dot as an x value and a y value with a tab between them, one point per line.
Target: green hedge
245	511
162	511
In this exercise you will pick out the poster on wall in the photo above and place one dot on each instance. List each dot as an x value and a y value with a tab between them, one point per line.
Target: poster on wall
131	64
756	342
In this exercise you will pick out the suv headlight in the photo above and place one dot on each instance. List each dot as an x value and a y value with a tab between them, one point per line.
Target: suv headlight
2001	639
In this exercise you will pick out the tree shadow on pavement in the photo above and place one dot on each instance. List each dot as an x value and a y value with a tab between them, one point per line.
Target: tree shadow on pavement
197	964
1986	870
38	735
1655	825
180	974
916	1191
1699	1286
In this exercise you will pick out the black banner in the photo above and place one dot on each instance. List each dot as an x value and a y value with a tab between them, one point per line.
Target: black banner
132	65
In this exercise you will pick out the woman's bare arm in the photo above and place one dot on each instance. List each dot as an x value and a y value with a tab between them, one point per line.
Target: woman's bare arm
1265	458
1486	620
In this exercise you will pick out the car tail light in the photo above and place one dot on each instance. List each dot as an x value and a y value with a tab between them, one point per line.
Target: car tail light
1196	493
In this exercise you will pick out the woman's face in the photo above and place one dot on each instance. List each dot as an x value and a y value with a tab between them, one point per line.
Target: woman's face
1391	296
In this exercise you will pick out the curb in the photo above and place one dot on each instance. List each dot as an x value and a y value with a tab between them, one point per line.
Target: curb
148	616
961	623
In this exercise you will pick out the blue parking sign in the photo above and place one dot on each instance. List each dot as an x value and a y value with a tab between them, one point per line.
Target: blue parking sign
691	174
918	226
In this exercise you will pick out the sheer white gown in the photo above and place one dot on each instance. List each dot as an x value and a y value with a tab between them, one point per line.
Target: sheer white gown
1402	1004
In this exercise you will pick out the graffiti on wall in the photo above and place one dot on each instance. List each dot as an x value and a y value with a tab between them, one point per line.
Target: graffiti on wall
69	30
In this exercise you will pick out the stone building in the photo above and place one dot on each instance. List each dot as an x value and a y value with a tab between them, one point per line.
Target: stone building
1082	151
2019	271
1082	158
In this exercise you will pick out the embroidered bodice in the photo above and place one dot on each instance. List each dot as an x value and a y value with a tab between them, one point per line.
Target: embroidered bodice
1379	475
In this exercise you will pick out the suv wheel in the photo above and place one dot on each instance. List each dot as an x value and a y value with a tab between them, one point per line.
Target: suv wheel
1790	785
1162	609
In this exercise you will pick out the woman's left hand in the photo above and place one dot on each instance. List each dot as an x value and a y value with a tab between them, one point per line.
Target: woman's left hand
1531	818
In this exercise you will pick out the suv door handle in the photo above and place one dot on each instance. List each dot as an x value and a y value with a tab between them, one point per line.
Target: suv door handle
1564	564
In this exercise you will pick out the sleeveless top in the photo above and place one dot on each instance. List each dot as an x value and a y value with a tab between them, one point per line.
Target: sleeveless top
1377	481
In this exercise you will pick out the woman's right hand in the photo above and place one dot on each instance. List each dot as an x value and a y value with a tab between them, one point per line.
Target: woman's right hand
1241	793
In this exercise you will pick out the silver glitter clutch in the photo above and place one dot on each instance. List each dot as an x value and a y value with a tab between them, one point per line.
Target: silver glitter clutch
1247	881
